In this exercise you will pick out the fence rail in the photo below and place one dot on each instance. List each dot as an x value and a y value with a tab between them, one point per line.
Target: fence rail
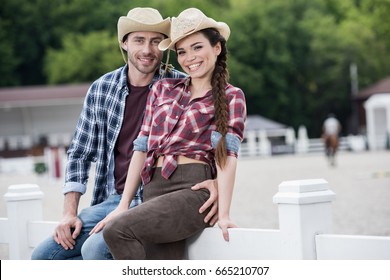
305	229
261	146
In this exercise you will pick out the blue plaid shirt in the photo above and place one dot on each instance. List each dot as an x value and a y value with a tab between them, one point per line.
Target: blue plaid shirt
97	131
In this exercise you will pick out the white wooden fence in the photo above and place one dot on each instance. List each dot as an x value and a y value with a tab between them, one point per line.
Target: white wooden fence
305	229
257	144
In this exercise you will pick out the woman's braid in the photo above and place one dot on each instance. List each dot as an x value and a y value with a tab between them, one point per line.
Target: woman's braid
219	81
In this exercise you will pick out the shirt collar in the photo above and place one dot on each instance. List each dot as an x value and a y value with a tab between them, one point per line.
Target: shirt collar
123	80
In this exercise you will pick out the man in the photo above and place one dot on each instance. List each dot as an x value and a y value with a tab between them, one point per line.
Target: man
331	129
109	122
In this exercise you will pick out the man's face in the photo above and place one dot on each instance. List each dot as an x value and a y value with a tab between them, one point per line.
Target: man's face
142	50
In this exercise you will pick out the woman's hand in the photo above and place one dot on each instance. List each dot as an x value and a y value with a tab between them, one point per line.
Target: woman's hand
100	225
224	224
212	187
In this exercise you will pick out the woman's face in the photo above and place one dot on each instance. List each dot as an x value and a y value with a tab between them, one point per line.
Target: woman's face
196	56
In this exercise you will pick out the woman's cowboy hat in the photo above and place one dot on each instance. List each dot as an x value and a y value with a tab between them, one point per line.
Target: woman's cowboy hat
188	22
142	19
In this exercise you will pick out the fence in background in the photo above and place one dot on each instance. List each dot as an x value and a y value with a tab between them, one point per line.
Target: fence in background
305	229
257	143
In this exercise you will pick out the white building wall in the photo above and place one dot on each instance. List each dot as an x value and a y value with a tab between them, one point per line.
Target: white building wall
378	120
11	122
55	122
55	119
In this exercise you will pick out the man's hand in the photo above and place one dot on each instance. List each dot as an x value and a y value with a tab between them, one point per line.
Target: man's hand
212	187
63	233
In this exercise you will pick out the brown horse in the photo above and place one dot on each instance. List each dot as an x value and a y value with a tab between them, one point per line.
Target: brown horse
331	144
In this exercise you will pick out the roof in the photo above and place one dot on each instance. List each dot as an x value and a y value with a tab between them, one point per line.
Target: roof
42	95
382	86
256	122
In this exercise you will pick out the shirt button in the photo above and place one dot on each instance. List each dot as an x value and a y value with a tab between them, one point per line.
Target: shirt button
177	117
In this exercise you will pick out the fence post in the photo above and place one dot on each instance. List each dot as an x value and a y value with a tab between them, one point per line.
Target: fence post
24	204
251	140
302	144
304	211
265	144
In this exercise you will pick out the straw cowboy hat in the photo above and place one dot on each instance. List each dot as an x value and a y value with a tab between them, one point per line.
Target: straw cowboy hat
142	19
188	22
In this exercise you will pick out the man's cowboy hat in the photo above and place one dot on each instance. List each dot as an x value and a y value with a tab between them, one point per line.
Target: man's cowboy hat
142	19
188	22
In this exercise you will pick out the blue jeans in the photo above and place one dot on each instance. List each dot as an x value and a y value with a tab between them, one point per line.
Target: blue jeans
87	247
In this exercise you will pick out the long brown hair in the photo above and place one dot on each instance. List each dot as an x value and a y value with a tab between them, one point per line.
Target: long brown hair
219	81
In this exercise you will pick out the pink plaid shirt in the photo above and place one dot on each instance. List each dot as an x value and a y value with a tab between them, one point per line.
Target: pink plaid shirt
175	125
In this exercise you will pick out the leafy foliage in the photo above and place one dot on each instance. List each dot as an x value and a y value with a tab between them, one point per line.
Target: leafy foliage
85	58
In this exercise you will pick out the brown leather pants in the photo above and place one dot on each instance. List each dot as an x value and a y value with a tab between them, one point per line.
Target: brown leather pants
157	228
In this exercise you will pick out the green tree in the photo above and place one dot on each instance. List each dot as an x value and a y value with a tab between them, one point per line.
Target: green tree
34	26
83	58
9	60
292	58
271	48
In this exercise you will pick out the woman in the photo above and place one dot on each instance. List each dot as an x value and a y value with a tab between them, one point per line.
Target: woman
191	131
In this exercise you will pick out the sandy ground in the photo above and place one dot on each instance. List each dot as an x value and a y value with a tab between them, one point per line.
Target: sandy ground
361	182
